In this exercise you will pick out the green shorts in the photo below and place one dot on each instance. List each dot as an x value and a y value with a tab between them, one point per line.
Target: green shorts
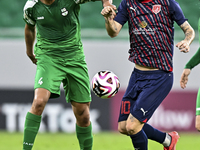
51	72
198	103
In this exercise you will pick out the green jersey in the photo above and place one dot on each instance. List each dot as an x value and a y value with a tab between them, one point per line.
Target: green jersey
195	60
199	29
58	27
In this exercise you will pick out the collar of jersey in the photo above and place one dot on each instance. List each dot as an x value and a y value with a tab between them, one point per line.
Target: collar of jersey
48	5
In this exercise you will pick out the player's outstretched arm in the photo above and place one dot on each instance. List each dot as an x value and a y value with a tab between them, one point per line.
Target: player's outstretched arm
184	78
29	39
113	28
184	45
108	3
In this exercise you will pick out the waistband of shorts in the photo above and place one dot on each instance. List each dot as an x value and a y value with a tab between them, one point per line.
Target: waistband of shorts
151	71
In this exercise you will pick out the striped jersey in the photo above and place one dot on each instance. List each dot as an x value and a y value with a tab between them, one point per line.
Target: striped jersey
58	27
151	30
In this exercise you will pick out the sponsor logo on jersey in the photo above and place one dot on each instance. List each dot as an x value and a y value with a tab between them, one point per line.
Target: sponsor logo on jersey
143	30
64	12
143	24
156	8
40	18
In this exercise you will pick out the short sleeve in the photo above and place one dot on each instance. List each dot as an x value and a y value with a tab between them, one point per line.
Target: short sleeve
122	14
176	12
28	13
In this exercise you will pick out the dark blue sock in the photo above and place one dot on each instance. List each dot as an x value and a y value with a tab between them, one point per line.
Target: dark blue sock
154	134
140	140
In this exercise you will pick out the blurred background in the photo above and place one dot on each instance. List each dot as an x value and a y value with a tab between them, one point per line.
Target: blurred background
17	72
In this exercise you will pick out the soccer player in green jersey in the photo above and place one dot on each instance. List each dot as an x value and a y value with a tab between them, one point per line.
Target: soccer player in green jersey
194	61
58	54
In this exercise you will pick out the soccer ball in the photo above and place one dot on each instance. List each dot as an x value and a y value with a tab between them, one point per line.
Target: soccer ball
105	84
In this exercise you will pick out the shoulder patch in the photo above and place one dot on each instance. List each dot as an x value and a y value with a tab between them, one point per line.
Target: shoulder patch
28	12
30	4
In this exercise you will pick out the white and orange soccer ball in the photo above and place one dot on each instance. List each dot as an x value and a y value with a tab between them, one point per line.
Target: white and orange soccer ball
105	84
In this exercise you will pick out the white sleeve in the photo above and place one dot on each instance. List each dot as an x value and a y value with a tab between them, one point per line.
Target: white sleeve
28	12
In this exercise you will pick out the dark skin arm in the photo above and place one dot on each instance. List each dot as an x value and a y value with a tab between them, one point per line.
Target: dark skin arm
29	40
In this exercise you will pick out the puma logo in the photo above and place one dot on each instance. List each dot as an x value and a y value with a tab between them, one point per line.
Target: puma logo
144	112
134	9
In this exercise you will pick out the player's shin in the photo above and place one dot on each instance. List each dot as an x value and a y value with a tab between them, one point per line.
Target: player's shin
139	140
154	134
85	137
31	127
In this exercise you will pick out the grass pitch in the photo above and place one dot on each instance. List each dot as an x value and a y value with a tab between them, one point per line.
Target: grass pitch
102	141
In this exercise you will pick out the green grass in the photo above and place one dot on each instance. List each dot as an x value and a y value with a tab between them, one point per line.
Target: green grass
102	141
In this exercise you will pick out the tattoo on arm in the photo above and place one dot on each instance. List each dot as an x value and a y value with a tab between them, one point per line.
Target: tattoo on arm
188	31
106	21
112	24
131	118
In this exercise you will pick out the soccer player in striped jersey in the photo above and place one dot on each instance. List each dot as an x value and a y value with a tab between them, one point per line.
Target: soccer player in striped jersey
194	61
58	54
151	33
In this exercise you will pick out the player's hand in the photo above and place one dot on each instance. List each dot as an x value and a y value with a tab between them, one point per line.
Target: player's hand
108	12
183	46
184	78
109	3
33	59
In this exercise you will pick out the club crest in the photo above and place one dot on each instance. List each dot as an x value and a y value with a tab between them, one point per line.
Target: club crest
156	8
64	12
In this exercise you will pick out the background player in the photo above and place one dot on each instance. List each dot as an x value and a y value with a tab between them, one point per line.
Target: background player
59	56
151	49
194	61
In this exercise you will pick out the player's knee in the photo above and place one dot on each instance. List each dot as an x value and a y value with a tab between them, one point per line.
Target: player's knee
86	120
122	130
38	105
132	128
83	118
197	123
197	127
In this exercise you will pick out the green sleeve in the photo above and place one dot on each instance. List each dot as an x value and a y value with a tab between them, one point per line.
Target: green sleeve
194	61
199	29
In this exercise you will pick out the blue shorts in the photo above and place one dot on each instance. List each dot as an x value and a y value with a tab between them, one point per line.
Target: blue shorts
145	92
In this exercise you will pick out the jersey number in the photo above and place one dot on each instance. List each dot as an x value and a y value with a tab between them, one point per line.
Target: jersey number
125	107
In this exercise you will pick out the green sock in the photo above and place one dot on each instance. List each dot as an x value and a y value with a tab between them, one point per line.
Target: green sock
31	127
85	137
